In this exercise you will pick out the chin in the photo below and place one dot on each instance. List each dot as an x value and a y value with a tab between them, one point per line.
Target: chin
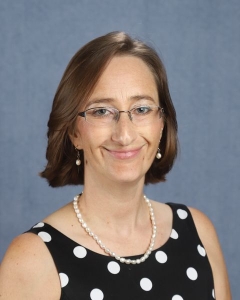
126	177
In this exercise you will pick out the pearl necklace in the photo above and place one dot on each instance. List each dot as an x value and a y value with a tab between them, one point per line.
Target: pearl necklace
107	250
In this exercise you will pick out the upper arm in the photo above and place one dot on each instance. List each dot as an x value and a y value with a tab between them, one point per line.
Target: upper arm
211	243
28	271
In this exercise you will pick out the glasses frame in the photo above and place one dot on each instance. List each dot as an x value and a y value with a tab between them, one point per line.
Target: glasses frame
118	112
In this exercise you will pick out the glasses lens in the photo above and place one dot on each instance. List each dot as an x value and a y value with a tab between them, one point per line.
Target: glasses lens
100	115
143	115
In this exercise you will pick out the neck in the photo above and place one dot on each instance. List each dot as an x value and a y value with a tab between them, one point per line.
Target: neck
107	250
117	205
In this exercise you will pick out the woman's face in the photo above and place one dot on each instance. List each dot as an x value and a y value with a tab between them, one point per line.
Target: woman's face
120	151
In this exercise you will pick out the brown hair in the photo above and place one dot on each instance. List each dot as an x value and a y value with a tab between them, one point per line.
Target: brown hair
76	86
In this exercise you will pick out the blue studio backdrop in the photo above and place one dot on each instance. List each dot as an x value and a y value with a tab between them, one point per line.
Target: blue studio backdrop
199	42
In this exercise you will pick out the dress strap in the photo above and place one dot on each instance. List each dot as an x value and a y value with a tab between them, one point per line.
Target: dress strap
183	222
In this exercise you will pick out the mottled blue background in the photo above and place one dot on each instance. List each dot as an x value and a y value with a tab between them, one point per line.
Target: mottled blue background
199	42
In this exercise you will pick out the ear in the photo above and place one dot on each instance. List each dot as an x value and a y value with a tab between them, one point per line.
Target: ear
76	140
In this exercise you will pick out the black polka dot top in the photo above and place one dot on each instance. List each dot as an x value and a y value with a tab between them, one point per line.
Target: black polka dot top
178	270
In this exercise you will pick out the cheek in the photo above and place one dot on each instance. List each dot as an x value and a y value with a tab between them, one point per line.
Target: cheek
156	131
91	137
156	135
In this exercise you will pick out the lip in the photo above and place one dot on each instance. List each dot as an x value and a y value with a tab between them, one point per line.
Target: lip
124	154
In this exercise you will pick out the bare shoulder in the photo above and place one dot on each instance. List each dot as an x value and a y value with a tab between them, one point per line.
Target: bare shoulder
159	206
209	238
26	270
162	212
61	218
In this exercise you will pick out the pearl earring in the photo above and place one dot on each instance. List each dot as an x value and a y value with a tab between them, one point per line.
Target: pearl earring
158	155
78	161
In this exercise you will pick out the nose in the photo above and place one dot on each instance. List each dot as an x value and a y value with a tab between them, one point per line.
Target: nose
124	131
125	111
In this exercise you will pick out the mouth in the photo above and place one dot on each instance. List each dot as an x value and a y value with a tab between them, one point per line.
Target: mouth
124	154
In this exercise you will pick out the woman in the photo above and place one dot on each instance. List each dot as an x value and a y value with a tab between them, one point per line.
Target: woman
113	128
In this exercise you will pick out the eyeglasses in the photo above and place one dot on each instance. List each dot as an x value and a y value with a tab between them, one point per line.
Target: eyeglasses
138	115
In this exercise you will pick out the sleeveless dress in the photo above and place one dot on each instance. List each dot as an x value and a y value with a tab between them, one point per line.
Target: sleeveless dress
178	270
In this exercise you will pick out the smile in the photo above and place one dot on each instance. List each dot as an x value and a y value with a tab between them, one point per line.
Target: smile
124	154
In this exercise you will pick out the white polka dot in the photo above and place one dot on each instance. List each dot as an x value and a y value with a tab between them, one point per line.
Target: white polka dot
161	257
46	237
40	224
192	274
96	294
63	279
213	293
177	297
201	250
80	252
182	214
174	234
113	267
146	284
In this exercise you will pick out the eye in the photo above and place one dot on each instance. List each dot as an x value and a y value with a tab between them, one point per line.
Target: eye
142	110
100	112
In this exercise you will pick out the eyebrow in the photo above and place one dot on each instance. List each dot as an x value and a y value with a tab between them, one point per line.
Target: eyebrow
111	100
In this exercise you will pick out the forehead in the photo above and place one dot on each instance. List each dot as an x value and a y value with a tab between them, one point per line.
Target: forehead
128	66
125	77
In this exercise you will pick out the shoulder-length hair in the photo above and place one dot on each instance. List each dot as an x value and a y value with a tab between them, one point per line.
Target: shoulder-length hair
75	88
